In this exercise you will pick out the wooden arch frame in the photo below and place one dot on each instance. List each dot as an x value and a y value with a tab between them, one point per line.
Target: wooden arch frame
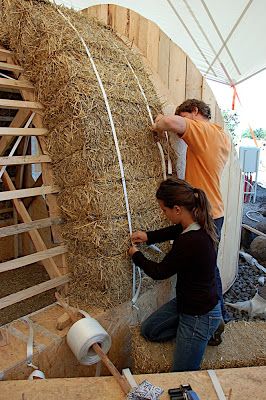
45	187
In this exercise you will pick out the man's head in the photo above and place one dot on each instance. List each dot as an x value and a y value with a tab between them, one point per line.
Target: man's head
194	109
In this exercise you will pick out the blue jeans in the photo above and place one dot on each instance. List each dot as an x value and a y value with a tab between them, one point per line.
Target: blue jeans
192	333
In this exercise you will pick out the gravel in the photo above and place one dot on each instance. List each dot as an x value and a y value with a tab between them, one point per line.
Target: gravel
244	288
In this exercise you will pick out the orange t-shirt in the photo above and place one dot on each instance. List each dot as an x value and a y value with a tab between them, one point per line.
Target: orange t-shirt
207	153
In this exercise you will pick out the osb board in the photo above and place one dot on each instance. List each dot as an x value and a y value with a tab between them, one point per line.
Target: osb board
243	383
176	78
53	356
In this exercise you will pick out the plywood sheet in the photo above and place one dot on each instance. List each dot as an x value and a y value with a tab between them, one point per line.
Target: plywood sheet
243	383
193	82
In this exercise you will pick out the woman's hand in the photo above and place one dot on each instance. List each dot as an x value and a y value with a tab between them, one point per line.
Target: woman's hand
132	250
139	237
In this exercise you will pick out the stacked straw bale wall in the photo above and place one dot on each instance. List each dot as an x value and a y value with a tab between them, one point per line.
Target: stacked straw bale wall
80	140
176	78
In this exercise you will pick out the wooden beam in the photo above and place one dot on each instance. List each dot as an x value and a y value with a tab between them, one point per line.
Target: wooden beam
28	226
36	238
6	52
32	258
10	67
21	193
20	104
6	131
48	179
249	228
33	291
21	160
14	84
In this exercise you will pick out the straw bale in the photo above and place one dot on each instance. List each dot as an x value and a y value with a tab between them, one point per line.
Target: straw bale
104	281
108	237
106	199
243	345
80	140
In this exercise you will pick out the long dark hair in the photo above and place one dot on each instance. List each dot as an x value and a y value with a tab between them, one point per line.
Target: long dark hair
177	192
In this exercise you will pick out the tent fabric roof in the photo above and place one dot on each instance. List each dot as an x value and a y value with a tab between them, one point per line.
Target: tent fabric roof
225	39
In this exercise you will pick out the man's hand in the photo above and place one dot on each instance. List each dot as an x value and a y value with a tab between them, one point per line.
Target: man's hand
139	237
172	123
156	127
132	250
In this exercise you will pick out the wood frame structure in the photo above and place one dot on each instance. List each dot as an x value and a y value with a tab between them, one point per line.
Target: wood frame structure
53	258
176	78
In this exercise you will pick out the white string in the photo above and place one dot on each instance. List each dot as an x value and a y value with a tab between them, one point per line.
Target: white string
216	384
30	343
114	137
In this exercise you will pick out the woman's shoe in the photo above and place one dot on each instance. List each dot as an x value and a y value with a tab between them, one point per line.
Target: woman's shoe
216	338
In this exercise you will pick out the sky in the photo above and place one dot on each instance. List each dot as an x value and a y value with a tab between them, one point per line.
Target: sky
252	97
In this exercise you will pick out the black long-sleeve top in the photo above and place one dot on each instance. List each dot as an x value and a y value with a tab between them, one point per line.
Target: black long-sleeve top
193	259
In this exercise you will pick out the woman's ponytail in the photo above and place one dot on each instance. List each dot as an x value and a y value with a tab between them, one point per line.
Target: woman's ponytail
174	191
202	214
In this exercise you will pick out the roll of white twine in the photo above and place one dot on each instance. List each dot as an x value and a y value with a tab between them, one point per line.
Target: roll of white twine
83	335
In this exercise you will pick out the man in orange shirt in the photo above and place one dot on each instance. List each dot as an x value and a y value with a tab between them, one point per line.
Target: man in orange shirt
207	152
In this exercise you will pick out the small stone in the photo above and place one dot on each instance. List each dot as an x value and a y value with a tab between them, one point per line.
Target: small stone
258	248
261	226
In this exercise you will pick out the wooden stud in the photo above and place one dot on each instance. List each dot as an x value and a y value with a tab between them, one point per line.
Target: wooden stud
10	67
133	34
164	58
47	175
36	238
63	321
15	84
142	36
28	226
32	258
29	192
21	160
177	74
20	104
6	131
193	81
6	52
33	291
208	98
121	22
153	45
111	15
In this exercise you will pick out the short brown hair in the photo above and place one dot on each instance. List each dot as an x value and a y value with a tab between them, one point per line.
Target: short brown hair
190	105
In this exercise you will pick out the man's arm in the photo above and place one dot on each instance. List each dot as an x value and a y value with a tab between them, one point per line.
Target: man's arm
173	123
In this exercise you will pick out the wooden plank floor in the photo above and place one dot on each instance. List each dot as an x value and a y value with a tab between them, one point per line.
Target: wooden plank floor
241	383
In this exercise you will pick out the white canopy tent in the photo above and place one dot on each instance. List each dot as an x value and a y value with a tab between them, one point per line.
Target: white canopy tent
225	39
